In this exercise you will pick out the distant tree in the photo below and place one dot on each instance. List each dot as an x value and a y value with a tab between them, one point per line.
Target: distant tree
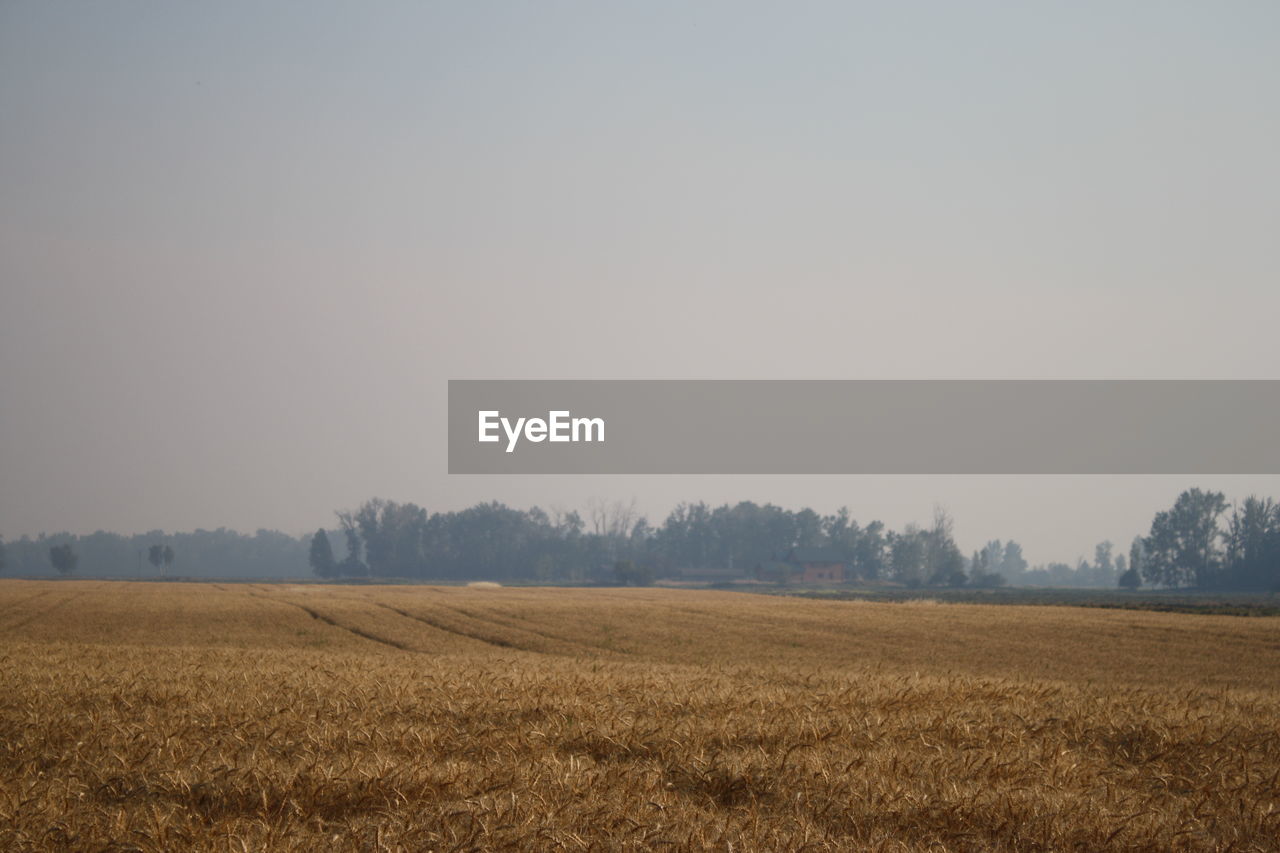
992	556
1183	546
906	555
1013	564
987	580
944	562
869	552
1253	545
629	574
167	556
322	561
2	554
1130	579
394	537
980	574
1104	567
809	532
63	558
953	573
1136	553
352	564
155	555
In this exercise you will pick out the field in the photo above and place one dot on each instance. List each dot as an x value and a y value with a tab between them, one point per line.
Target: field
1168	601
149	716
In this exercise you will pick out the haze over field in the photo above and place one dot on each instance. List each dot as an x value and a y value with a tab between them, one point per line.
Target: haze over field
242	248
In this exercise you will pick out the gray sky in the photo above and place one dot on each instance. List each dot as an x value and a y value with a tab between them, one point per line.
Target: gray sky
243	246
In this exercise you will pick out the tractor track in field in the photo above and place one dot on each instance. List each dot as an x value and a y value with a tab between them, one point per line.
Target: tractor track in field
502	644
512	623
17	605
31	617
329	620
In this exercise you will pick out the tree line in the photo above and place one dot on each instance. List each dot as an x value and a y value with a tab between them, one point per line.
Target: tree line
1201	541
220	553
614	543
1196	543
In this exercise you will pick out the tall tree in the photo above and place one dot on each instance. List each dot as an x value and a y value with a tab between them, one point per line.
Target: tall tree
1137	554
321	556
63	558
1013	564
868	554
1253	544
1104	567
352	564
1183	546
907	554
1130	579
944	562
993	557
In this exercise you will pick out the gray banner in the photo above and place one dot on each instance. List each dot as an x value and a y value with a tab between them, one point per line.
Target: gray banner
863	427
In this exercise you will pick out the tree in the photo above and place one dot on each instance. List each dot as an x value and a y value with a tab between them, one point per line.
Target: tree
980	574
868	555
992	555
351	565
321	557
1253	545
1013	564
63	558
1182	548
906	555
155	555
1137	554
629	574
944	562
2	554
168	558
1130	579
1103	566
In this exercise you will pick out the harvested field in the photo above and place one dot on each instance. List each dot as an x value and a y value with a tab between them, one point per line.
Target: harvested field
148	716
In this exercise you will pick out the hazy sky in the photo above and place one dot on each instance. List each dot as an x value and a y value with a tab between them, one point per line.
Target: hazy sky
244	245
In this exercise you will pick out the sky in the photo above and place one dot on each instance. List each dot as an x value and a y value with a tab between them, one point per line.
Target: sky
244	246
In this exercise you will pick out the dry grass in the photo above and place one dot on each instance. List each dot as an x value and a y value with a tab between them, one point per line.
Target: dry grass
160	717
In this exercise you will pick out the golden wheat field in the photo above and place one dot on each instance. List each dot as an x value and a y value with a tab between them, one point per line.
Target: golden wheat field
146	716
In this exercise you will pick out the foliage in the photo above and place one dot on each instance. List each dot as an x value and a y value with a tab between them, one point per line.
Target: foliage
1196	543
628	574
1187	545
1183	548
321	555
161	556
63	558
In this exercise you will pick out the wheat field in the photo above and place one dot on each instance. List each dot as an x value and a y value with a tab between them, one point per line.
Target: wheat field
238	717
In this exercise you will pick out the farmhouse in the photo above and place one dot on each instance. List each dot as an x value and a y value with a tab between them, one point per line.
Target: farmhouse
805	565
